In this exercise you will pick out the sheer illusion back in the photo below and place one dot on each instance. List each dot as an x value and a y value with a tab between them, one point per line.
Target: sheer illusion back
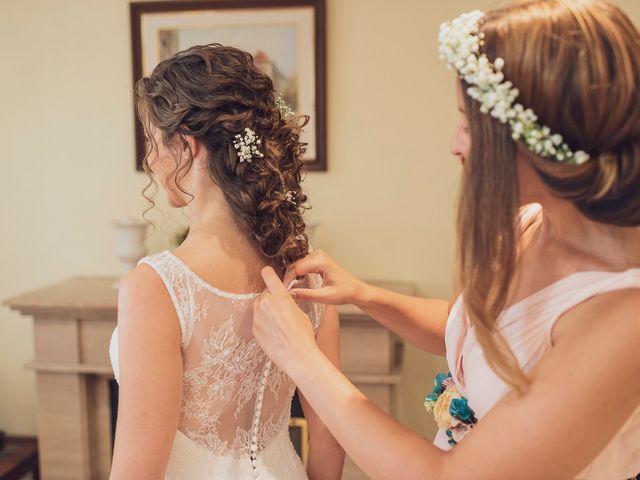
235	402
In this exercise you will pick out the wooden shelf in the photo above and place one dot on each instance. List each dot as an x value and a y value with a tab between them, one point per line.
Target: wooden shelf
69	368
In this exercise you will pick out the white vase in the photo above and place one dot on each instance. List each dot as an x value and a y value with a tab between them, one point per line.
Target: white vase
130	235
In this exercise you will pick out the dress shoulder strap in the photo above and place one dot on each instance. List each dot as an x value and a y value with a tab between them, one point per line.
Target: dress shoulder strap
178	287
580	287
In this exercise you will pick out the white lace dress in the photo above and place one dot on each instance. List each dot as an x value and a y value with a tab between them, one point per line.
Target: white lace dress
235	403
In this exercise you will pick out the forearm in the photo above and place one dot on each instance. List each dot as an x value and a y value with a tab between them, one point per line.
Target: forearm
326	457
420	321
377	443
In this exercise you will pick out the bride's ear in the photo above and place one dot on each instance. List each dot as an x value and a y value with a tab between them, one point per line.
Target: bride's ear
190	143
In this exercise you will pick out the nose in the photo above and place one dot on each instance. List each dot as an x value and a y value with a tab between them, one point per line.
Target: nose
458	146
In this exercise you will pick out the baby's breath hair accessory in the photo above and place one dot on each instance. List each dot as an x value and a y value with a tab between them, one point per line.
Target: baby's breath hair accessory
247	146
285	111
460	41
290	197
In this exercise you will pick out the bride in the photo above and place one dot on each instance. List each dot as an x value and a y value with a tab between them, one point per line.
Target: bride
198	398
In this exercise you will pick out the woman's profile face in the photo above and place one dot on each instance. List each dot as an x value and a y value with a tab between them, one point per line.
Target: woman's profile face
461	139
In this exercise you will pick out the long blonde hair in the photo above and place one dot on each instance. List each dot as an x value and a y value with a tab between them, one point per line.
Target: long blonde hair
576	63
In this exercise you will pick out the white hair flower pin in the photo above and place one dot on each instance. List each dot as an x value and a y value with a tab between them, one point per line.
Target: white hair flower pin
290	197
247	146
285	111
460	41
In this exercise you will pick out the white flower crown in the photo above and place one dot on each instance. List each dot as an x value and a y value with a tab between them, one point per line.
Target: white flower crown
460	42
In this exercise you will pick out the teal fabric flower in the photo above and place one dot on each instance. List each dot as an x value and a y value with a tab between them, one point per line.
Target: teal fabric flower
459	408
450	409
450	440
432	397
440	378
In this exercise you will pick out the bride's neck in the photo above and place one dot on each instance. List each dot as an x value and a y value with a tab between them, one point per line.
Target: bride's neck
213	227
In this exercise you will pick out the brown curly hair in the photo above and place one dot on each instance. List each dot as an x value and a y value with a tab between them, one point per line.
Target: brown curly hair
212	93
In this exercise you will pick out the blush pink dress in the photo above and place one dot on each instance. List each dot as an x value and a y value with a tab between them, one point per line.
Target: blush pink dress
527	327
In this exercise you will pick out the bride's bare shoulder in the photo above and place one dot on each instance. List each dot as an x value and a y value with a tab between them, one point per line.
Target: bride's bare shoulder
144	300
142	278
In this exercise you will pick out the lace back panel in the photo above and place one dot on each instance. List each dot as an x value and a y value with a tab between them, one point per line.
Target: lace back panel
224	366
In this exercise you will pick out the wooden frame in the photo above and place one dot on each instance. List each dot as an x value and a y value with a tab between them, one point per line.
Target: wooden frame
303	431
305	58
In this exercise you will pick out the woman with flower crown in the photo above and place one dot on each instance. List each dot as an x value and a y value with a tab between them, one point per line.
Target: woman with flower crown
542	339
198	398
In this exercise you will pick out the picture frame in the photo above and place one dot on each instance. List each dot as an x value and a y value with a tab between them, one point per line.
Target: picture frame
286	37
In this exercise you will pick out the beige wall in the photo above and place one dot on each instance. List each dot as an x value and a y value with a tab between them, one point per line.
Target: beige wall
386	206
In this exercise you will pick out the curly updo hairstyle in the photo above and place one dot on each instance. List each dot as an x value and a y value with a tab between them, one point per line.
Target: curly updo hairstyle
212	93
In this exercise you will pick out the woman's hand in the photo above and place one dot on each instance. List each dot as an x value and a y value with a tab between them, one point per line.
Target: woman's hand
283	330
421	321
339	286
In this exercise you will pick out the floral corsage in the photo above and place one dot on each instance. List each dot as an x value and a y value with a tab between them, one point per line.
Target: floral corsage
450	409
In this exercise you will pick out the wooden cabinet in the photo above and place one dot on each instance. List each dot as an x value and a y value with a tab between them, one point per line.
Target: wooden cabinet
73	322
371	357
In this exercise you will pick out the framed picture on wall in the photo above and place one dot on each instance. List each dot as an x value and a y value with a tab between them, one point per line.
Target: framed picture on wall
285	37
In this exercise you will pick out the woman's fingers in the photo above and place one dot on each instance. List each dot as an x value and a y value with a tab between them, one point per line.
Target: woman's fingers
315	262
322	295
281	328
307	294
273	283
339	286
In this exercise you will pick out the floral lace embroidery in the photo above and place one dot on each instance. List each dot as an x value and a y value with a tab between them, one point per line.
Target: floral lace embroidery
230	365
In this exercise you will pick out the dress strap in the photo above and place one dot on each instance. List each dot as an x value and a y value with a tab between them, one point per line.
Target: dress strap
177	285
582	286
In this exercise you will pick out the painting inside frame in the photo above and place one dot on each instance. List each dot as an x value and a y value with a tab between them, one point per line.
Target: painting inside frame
286	41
